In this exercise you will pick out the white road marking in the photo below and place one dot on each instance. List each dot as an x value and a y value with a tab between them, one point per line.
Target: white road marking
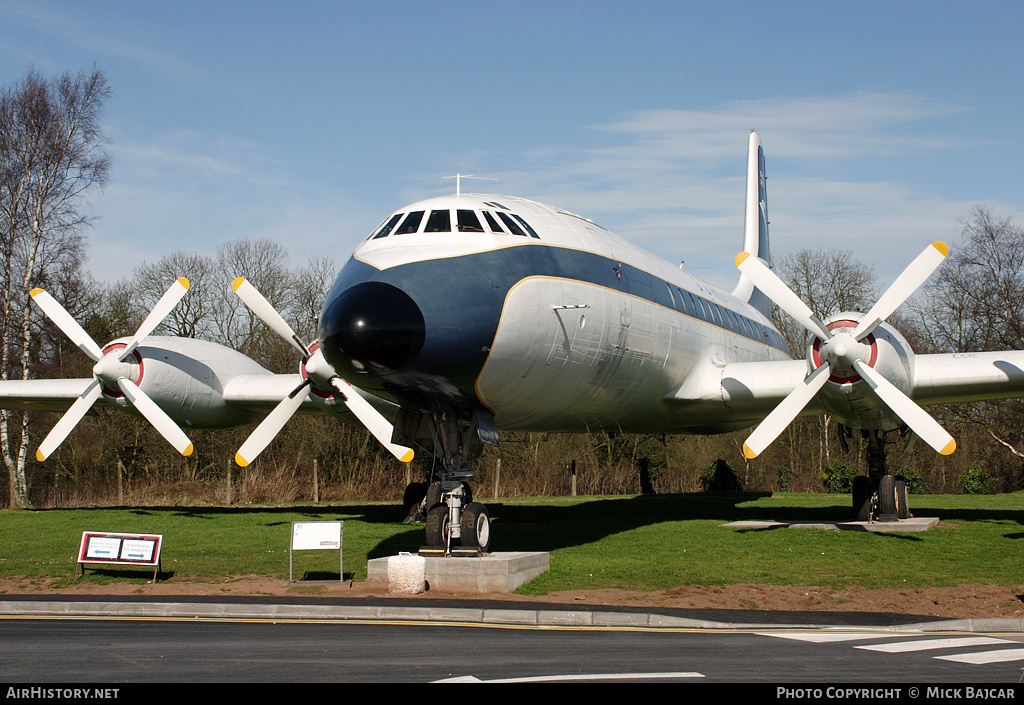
983	657
926	644
826	637
579	677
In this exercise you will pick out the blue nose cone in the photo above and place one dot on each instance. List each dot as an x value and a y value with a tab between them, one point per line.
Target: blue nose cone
371	328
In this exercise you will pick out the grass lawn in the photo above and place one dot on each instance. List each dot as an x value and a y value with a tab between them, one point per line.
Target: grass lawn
637	542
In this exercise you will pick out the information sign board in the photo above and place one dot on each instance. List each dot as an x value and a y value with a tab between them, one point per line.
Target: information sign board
317	536
112	548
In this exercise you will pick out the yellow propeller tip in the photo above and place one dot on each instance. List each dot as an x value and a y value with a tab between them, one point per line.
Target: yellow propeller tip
941	247
237	283
39	456
950	447
741	258
240	461
188	451
36	291
407	458
184	282
748	452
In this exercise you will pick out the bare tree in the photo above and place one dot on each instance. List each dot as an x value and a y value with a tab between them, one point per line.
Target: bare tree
975	303
189	319
829	281
265	264
312	284
51	158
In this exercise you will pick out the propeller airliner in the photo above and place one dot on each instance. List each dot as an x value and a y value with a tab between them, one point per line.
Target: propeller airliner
463	315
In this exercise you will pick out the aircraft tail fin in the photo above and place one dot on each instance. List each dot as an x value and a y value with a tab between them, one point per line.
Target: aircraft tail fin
755	228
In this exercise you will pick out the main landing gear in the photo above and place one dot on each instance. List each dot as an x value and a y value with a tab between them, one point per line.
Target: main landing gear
879	496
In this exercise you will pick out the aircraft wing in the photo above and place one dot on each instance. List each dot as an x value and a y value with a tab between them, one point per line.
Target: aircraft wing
263	393
41	394
258	393
964	377
717	397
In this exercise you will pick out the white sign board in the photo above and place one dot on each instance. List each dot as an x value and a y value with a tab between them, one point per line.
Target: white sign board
317	536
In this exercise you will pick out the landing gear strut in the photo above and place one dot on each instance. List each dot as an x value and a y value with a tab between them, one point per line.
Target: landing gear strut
455	524
879	496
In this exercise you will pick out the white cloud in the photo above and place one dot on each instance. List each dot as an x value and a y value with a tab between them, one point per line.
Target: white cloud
673	180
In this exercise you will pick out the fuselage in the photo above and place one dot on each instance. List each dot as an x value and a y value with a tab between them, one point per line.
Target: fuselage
540	316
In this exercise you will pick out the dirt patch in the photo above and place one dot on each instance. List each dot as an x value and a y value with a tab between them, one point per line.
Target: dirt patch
960	602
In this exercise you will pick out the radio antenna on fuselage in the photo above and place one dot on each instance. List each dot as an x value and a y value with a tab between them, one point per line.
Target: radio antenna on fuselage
458	181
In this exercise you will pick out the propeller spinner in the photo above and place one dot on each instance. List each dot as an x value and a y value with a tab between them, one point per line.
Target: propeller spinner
317	374
112	371
846	353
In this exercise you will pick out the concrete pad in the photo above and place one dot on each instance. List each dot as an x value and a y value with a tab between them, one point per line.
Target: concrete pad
493	572
902	525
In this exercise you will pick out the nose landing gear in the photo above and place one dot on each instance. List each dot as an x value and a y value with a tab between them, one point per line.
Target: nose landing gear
455	524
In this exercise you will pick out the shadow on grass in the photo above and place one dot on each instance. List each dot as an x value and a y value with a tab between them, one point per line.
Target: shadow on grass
562	522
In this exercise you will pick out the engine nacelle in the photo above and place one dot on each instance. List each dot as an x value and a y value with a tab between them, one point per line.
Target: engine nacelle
849	397
186	378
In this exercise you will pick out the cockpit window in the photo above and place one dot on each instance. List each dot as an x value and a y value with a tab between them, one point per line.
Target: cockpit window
411	223
386	229
533	233
492	223
512	225
439	222
468	222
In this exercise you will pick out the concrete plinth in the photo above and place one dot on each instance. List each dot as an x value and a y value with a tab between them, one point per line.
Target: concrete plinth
494	572
909	525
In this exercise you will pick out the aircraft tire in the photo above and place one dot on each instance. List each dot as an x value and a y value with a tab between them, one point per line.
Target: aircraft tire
412	502
432	497
887	510
862	498
437	525
902	504
476	527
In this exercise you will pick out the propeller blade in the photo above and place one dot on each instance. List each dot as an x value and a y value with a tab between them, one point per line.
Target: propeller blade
374	421
156	416
906	284
163	307
316	367
63	320
775	289
272	425
783	414
69	420
919	420
252	298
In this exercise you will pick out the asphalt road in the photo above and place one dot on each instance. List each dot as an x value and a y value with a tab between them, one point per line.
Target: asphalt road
114	643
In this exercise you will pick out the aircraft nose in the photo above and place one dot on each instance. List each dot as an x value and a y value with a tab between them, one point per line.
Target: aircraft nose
373	327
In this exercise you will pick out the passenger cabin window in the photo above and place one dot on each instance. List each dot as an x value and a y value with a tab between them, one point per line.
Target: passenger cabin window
386	229
411	223
439	222
468	222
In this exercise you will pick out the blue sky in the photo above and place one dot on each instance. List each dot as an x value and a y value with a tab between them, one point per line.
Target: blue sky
883	123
